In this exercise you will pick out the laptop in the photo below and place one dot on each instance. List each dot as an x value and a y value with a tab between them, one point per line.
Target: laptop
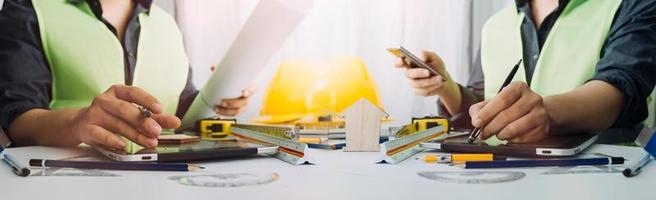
554	146
203	150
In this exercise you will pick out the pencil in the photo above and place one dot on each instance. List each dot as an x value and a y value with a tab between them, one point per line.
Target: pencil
115	165
477	131
455	158
541	163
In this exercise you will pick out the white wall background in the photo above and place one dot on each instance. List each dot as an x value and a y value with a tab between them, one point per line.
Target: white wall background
363	28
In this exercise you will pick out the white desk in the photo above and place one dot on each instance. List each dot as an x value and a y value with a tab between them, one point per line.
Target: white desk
337	175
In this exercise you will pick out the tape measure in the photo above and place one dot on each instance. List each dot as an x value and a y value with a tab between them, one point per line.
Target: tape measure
424	123
214	128
289	150
421	124
395	151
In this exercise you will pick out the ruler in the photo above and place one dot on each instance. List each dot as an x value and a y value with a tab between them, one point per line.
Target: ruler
282	131
473	177
395	151
289	150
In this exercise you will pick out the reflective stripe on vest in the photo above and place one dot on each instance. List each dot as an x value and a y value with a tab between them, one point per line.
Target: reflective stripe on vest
86	58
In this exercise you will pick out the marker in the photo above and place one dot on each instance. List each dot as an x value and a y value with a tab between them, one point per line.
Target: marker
454	158
15	166
635	169
477	131
541	163
115	165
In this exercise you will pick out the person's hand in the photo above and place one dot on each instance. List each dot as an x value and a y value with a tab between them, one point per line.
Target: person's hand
234	106
516	114
114	113
420	78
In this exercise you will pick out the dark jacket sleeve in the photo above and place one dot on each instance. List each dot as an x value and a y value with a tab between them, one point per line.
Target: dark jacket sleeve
471	94
628	59
25	78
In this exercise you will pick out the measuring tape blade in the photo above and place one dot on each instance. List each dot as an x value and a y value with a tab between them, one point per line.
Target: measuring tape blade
288	150
395	151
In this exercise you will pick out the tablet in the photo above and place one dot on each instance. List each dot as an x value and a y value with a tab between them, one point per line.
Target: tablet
200	151
554	146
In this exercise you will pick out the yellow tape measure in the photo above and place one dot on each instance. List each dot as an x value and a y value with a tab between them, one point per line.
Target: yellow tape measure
214	129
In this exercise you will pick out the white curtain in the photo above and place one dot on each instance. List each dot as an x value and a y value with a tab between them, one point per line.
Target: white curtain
362	28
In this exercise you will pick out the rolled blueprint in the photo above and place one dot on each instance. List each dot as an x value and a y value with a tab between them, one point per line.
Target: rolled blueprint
265	31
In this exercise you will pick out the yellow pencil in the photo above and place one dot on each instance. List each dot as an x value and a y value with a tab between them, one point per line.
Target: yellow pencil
310	140
450	158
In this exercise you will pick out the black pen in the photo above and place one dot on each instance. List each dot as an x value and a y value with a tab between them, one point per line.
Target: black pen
115	165
477	131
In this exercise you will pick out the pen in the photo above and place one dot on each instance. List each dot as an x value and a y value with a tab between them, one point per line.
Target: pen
541	163
477	131
144	111
115	165
635	169
454	158
15	166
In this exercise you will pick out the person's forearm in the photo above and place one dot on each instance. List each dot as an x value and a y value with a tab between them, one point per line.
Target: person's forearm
44	127
451	97
592	107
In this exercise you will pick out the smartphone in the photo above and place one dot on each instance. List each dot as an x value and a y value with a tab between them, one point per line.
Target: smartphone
415	61
124	156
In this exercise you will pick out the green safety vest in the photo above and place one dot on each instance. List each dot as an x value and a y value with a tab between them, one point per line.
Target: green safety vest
568	57
569	54
86	58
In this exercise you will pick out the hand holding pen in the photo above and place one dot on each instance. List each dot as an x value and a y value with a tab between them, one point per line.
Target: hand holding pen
122	110
516	114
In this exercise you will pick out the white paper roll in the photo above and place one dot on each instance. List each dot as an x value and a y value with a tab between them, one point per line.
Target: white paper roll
265	31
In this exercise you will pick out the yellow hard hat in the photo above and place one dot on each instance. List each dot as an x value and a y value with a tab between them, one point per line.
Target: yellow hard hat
302	88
